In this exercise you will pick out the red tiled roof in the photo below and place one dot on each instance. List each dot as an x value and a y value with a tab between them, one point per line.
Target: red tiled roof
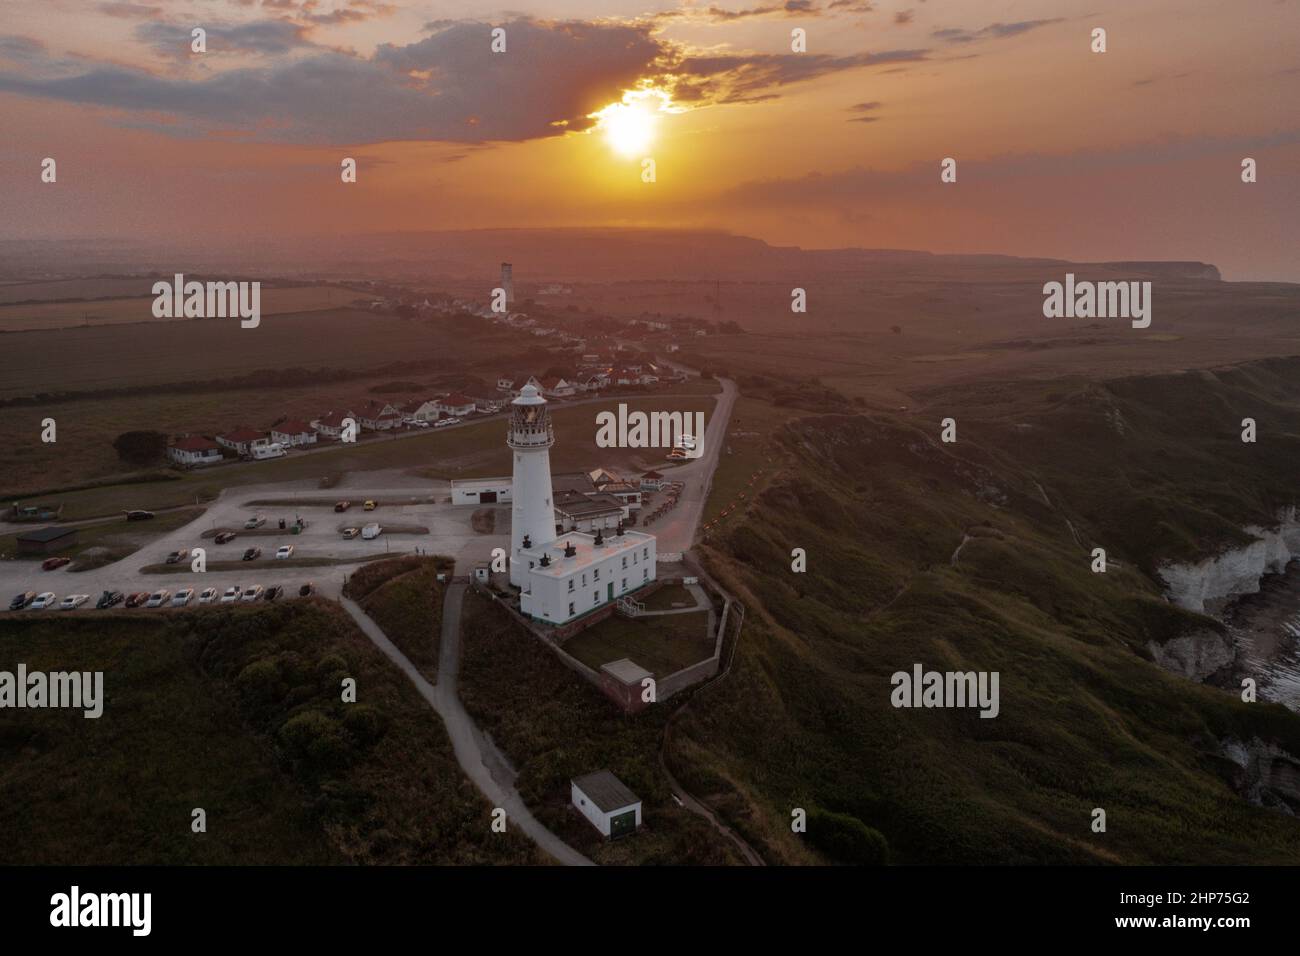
243	434
194	443
334	419
456	399
652	475
292	427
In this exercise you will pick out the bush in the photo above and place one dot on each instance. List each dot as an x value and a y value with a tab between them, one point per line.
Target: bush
846	839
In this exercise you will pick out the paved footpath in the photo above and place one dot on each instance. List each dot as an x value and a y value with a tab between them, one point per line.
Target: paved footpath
482	762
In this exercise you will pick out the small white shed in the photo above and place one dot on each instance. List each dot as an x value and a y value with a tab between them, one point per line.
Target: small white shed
611	807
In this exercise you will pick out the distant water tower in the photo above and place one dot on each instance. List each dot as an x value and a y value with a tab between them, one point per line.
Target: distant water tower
508	282
532	513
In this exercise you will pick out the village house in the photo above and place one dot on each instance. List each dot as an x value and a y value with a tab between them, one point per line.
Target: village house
194	450
652	481
243	440
379	416
456	404
293	433
331	424
420	410
557	388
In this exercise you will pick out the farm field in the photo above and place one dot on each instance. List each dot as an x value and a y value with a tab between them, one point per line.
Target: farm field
197	350
94	312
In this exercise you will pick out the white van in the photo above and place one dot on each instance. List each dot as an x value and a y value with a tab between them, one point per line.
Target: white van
370	531
273	450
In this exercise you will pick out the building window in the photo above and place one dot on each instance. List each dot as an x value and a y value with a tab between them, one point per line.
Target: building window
625	562
570	608
625	584
645	575
584	580
634	557
596	574
595	597
570	584
645	553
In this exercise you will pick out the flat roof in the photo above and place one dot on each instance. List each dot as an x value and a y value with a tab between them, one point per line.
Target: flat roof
46	534
626	670
470	484
587	552
606	791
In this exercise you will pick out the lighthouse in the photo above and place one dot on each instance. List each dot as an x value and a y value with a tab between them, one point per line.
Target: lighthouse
532	517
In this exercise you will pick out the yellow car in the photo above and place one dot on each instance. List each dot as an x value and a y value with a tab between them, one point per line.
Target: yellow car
370	506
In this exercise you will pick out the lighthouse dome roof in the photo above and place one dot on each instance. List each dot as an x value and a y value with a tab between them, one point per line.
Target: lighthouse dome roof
528	395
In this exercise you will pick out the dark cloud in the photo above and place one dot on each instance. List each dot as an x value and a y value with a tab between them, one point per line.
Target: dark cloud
13	47
852	6
790	8
446	87
993	30
903	16
259	36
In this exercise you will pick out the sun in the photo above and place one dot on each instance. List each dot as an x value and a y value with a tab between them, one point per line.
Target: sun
630	126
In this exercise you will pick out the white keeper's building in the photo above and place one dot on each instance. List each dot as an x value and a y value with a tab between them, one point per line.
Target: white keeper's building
566	576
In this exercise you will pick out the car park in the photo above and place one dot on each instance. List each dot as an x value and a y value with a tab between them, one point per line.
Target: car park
73	601
342	505
252	554
350	533
208	596
182	597
137	599
176	557
139	515
284	551
158	598
52	564
307	590
253	593
43	600
273	592
231	594
20	601
224	536
110	599
255	522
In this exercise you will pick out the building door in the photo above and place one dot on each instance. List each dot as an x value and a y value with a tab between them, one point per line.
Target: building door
623	824
610	592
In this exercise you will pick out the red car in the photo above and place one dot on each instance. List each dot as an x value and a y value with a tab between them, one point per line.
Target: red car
137	599
51	564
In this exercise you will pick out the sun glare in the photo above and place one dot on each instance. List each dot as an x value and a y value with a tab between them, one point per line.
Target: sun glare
630	126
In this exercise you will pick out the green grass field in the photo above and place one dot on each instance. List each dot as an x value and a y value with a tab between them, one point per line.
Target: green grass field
662	644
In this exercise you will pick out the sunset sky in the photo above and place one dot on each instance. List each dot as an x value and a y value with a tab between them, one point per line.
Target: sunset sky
1134	153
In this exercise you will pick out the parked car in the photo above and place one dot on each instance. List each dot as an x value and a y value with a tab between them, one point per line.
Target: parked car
307	590
224	536
342	505
43	600
158	598
182	597
137	599
350	533
444	422
208	596
253	593
255	522
252	554
371	505
371	531
110	599
273	592
73	601
231	594
52	564
139	515
20	601
417	423
176	557
284	551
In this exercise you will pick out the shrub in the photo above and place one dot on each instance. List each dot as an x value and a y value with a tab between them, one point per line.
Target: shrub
846	838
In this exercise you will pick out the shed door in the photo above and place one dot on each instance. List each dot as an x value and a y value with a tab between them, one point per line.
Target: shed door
622	824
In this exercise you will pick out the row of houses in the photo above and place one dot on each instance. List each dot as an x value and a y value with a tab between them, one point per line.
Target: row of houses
375	415
588	380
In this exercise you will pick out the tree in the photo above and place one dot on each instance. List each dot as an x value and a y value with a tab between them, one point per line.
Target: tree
141	447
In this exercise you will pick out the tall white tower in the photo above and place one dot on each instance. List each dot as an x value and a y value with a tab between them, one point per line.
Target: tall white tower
508	282
532	515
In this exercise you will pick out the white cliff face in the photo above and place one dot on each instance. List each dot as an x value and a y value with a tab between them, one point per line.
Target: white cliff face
1206	586
1196	656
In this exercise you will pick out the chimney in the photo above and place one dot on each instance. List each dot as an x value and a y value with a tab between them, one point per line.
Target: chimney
600	539
546	561
569	550
527	543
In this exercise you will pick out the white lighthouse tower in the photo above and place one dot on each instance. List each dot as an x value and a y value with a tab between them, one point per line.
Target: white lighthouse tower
532	518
